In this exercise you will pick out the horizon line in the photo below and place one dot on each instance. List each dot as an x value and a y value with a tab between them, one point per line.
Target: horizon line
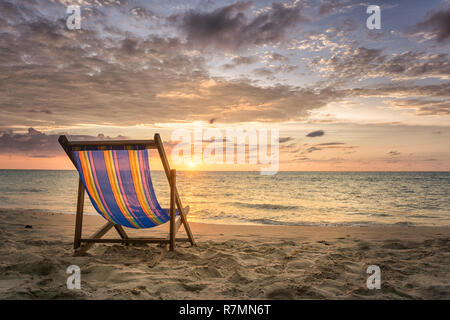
179	170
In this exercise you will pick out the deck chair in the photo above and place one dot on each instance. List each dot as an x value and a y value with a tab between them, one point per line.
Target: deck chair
116	177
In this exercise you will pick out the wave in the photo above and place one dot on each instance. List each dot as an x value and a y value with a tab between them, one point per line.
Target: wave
228	219
266	206
265	221
379	215
233	219
21	190
419	216
274	222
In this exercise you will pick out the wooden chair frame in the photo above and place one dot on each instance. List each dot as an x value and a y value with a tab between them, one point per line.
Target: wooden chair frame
82	245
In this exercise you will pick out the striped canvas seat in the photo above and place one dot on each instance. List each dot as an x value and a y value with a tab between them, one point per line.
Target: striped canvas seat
120	187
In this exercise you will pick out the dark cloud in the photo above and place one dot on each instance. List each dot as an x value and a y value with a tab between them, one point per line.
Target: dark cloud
285	139
39	145
214	140
436	22
317	133
239	60
333	6
330	144
129	46
327	145
301	158
292	148
40	111
263	72
394	153
230	27
312	149
244	60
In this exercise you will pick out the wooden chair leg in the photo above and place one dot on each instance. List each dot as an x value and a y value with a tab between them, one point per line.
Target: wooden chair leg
165	247
79	215
100	233
187	228
165	163
121	231
172	209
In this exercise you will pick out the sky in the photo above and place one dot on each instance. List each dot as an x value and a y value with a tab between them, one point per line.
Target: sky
343	97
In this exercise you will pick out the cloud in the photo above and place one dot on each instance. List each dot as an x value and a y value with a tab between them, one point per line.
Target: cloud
312	149
285	139
230	27
243	60
424	99
327	145
424	106
401	90
240	101
270	57
51	77
437	23
317	133
121	70
143	13
364	63
394	153
333	6
38	144
263	72
330	144
300	151
239	60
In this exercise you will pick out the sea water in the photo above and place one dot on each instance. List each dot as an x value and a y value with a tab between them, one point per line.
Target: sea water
287	198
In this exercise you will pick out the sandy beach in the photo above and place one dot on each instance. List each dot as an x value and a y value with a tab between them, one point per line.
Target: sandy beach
229	262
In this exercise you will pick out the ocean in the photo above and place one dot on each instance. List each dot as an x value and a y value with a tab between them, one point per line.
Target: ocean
287	198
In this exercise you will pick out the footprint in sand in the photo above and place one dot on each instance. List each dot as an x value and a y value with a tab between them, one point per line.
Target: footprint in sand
280	294
238	278
42	268
207	272
299	265
398	245
194	287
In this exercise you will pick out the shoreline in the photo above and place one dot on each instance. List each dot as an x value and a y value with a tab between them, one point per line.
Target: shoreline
363	224
229	262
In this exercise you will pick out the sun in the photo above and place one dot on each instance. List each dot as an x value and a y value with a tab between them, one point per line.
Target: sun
191	164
